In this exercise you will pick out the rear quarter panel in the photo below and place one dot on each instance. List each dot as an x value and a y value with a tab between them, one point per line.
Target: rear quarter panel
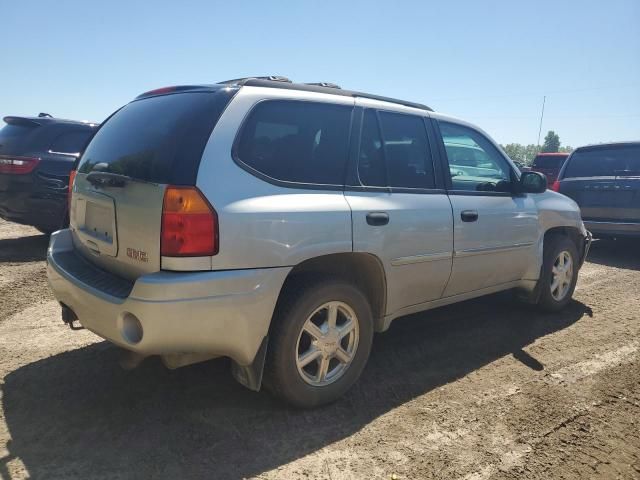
261	224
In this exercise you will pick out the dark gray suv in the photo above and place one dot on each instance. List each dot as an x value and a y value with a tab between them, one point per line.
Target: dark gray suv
605	182
36	156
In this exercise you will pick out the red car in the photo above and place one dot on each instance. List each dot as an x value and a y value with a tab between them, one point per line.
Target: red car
549	164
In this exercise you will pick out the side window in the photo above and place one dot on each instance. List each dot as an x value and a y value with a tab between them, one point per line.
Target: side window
70	142
474	163
297	141
371	168
406	149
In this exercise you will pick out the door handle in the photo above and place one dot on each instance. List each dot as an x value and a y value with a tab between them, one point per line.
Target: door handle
377	219
469	215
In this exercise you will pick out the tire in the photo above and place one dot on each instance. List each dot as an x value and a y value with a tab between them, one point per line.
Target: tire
290	338
554	300
46	230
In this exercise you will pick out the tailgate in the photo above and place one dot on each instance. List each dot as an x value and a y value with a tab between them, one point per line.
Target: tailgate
116	207
118	229
598	198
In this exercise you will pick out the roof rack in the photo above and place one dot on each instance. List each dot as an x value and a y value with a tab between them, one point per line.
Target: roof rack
271	78
325	84
288	85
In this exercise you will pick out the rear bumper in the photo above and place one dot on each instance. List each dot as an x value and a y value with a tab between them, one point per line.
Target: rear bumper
613	229
225	313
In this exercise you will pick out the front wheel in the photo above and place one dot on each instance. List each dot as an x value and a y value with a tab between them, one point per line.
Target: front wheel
559	273
319	342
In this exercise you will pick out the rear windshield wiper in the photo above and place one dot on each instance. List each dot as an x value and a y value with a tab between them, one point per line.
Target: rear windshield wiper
106	179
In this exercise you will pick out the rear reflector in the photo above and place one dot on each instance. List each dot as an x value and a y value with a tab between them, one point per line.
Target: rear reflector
17	165
189	224
556	186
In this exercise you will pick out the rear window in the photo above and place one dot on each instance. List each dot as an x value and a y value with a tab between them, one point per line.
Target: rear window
157	139
549	161
604	162
70	143
293	141
14	137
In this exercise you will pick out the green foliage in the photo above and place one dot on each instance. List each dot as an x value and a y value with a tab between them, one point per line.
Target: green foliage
551	142
524	154
521	153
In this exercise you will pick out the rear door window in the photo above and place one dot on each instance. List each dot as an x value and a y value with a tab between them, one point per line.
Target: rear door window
70	143
406	149
292	141
371	168
157	139
621	160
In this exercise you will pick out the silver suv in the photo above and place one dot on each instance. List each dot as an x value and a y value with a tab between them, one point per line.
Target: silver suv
282	224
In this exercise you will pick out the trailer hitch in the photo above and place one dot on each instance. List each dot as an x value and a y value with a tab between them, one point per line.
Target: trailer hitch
69	317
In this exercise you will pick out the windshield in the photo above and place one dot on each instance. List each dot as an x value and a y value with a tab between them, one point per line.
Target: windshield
605	162
157	139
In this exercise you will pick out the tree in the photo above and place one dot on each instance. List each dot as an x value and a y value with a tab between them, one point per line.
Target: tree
551	142
521	153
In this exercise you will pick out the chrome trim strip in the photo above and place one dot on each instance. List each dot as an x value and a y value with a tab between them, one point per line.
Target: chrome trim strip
488	250
633	224
427	257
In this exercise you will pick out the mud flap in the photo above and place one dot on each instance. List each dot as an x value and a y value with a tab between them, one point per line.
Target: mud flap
531	297
251	375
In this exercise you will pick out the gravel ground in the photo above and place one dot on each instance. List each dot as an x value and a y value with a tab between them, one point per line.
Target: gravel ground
481	390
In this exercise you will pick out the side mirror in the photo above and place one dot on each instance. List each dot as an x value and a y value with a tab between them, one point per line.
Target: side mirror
532	182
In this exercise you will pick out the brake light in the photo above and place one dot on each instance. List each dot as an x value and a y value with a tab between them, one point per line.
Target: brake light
72	177
555	186
189	224
18	165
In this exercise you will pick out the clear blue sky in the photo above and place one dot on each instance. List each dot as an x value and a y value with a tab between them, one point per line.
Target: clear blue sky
489	62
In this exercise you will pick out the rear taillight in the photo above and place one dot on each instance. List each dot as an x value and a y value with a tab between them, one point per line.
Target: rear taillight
72	177
555	186
18	165
189	224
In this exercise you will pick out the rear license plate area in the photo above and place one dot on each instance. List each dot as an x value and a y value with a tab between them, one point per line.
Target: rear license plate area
96	224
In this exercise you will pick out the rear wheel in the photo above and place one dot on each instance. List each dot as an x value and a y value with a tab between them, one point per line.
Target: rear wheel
46	230
319	343
559	273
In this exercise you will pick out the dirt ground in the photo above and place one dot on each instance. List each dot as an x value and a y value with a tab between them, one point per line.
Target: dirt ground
481	390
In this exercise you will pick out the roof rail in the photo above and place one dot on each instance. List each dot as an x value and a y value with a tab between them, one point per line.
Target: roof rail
325	84
260	82
271	78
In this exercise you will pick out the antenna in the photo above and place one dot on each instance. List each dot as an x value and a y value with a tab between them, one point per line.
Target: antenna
544	99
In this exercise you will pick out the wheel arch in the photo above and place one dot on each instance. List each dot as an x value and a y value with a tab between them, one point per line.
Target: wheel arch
363	270
572	233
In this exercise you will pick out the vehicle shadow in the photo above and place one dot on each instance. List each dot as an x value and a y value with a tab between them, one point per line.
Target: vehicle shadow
24	249
78	413
620	253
